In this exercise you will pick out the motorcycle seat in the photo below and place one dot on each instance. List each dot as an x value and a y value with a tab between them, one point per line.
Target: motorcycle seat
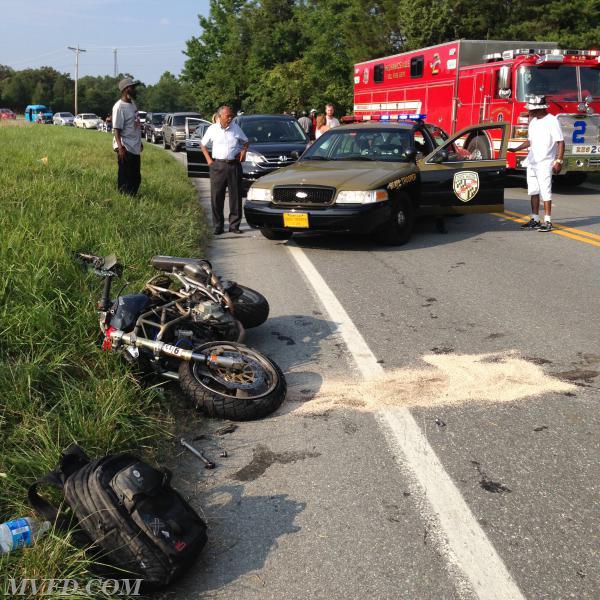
170	263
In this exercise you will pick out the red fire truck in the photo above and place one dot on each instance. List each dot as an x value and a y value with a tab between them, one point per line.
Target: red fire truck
466	82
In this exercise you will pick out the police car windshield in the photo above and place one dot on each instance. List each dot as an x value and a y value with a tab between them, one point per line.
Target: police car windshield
386	145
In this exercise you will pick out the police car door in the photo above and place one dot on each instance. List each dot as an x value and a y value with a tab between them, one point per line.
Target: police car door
467	172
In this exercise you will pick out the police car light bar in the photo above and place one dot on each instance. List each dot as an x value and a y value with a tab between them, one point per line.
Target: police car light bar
386	117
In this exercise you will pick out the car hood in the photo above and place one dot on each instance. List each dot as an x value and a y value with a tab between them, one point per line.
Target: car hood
346	175
277	148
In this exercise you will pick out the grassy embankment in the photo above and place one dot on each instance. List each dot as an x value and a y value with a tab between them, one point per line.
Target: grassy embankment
56	386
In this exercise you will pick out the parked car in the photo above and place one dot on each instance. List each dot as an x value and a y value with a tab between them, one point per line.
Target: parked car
63	118
6	113
87	121
38	113
275	141
153	129
174	128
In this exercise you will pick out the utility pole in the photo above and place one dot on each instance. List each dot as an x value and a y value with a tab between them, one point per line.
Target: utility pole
115	61
77	51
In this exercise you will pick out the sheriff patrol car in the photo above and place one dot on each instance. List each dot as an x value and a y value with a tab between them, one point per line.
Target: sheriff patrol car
376	176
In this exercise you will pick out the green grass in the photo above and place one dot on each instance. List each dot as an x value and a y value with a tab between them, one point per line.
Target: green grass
56	386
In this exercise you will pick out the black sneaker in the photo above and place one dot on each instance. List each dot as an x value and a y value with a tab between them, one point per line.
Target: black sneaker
531	224
547	226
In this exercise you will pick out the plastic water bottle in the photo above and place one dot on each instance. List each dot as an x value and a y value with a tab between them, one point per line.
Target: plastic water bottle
21	533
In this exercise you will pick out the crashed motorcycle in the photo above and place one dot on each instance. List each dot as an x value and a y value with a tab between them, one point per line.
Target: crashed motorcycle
186	324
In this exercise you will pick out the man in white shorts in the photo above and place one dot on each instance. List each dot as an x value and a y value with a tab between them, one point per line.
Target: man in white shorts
546	150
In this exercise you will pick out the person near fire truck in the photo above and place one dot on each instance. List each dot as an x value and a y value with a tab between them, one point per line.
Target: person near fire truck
545	158
331	120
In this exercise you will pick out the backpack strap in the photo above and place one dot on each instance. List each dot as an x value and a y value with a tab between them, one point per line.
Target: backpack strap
72	459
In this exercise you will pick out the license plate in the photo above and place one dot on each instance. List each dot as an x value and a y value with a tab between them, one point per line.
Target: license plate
586	149
295	220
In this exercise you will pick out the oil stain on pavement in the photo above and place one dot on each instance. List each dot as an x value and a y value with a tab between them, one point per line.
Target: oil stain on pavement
263	458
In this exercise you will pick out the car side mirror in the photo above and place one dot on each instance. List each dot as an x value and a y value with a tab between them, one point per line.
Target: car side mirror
409	154
439	157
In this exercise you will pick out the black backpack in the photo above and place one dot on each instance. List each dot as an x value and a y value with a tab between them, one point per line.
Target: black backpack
127	512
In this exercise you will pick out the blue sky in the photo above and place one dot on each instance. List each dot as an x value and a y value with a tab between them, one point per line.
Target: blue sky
149	34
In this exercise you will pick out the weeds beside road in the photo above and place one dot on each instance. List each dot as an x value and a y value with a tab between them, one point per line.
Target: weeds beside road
57	194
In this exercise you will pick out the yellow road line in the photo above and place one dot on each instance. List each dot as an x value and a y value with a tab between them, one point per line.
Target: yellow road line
558	230
572	230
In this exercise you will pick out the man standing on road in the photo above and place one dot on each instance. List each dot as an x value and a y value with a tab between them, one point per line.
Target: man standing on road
331	120
229	147
127	141
546	150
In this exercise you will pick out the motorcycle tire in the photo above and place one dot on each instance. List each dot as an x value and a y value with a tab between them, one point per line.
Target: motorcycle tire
251	307
251	394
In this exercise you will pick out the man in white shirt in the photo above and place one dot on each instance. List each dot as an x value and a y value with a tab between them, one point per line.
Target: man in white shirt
331	120
546	150
127	141
229	147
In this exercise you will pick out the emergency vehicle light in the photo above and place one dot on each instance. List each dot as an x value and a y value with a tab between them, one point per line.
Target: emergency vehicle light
492	57
550	58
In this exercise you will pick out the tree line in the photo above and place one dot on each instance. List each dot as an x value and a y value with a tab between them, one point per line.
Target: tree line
277	55
95	94
282	55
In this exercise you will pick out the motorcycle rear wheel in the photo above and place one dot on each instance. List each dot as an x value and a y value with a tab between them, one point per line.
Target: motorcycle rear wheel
251	307
238	395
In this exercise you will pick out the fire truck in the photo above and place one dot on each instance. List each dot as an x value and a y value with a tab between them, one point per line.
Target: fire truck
466	82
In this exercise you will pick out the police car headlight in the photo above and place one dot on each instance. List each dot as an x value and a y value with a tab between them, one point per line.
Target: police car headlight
257	194
361	197
255	157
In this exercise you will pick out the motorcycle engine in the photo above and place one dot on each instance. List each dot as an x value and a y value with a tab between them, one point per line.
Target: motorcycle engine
208	311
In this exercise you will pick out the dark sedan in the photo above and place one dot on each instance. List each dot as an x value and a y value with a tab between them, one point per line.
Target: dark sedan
275	141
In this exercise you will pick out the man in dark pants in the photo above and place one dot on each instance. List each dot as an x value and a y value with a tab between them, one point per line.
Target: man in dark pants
127	141
229	147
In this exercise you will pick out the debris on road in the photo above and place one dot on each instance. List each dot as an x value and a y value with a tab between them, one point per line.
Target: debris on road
208	464
540	428
495	487
439	422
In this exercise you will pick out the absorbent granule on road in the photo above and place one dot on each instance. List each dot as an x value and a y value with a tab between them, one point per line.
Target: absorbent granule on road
451	379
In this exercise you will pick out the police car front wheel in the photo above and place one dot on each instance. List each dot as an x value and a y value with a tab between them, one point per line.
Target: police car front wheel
398	229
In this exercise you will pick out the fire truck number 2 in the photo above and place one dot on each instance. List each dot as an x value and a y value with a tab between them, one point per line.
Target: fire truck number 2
579	132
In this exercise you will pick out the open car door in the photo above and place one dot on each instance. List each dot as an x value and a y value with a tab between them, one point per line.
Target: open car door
196	163
467	174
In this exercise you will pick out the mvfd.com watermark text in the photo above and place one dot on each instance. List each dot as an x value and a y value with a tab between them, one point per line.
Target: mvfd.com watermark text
70	587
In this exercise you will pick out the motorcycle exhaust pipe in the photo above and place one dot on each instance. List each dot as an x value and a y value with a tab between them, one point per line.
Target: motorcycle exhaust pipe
119	337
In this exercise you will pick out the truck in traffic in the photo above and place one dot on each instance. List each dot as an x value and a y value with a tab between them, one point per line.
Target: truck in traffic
467	82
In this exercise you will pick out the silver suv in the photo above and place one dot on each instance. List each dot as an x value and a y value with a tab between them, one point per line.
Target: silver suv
174	132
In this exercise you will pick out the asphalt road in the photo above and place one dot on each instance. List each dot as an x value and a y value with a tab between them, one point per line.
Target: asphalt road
492	334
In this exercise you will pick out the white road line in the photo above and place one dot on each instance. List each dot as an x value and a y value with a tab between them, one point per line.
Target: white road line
468	547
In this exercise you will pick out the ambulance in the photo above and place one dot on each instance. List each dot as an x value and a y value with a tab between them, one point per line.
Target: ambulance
469	82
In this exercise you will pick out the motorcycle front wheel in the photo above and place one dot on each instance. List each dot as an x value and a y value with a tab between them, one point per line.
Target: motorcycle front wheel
252	391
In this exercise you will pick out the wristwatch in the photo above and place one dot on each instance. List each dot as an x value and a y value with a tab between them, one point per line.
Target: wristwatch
559	161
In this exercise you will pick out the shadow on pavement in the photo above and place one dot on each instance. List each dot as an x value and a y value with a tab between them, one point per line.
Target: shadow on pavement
243	529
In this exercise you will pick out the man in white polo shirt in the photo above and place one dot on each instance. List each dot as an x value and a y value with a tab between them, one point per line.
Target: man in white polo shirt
546	150
229	147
